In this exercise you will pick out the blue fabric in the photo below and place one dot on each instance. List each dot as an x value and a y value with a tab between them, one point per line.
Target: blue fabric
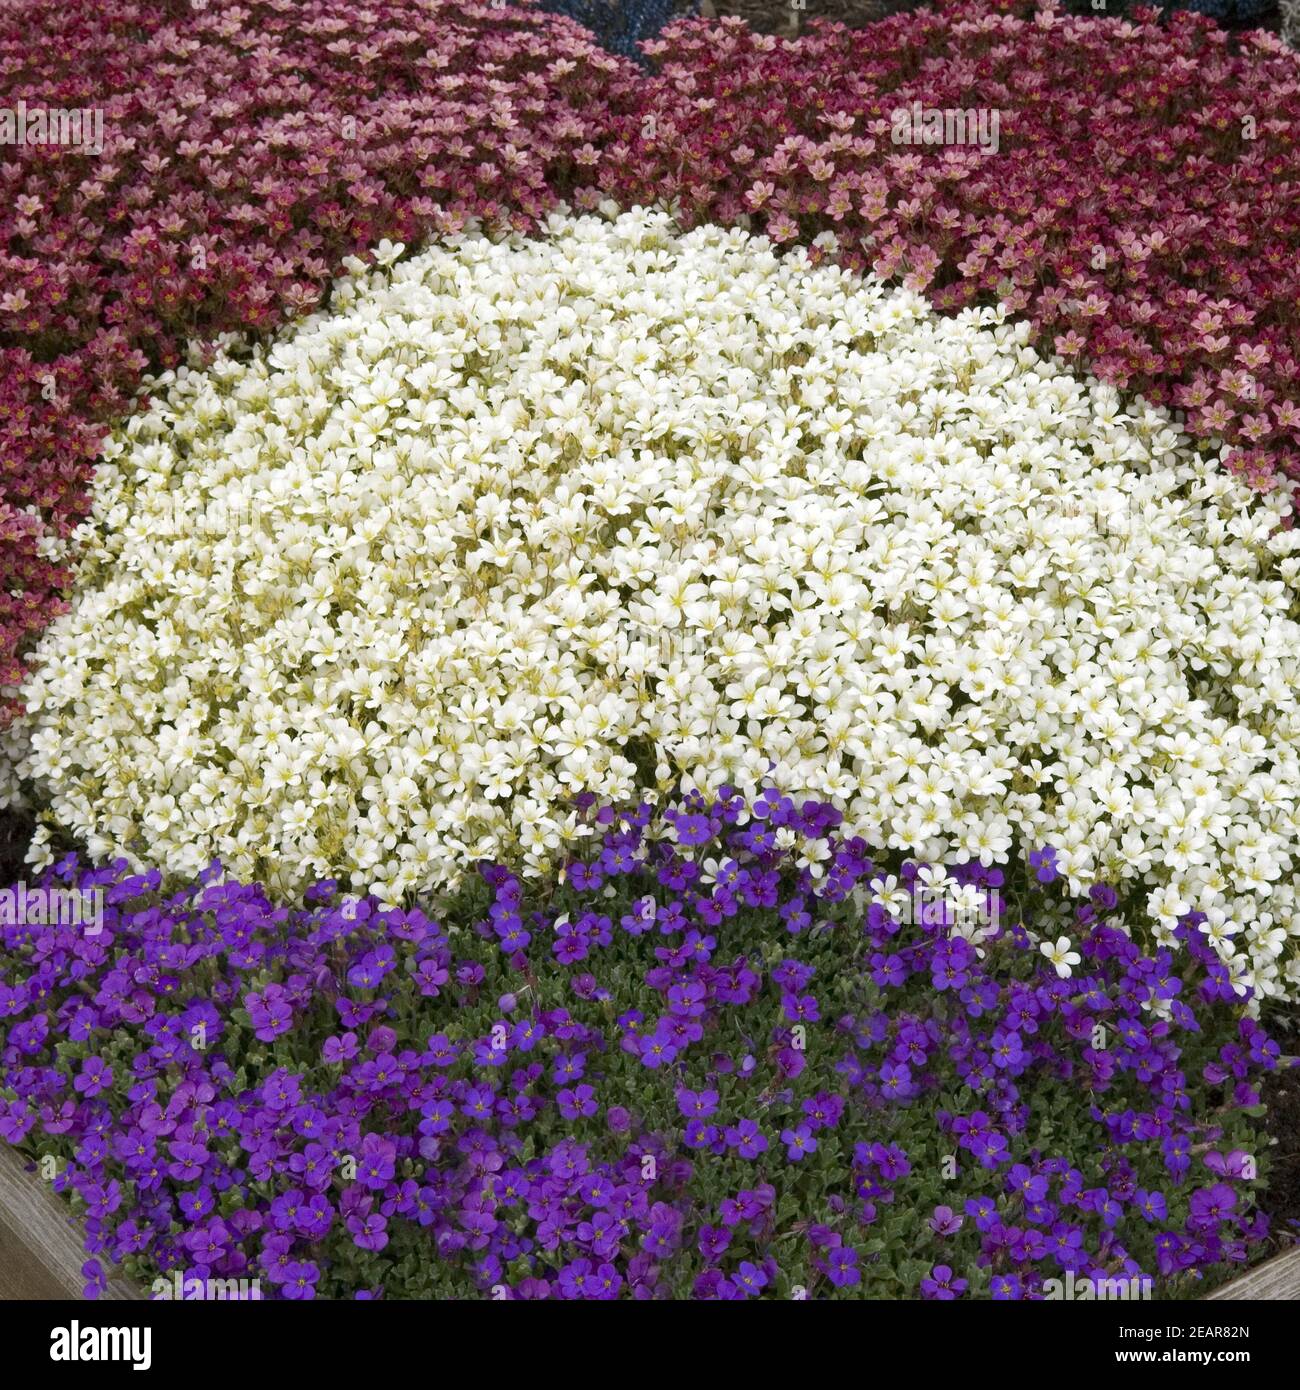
619	24
1226	11
1240	10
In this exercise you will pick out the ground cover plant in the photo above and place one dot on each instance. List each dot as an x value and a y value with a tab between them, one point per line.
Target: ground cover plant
622	507
688	1069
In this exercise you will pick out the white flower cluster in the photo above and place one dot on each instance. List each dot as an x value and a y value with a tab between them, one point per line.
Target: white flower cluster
623	508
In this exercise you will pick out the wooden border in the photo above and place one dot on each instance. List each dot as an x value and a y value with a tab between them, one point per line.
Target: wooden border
1276	1279
40	1244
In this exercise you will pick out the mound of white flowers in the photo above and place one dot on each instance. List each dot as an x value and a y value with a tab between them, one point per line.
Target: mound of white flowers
624	508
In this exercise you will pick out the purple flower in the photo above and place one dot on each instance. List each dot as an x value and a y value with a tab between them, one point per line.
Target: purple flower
748	1140
369	1232
703	1103
896	1081
699	1134
1236	1164
1043	863
693	829
579	1279
945	1222
1030	1185
378	1162
271	1012
656	1050
1213	1205
1007	1050
842	1267
94	1077
577	1102
299	1280
96	1280
749	1278
1152	1205
798	1142
940	1284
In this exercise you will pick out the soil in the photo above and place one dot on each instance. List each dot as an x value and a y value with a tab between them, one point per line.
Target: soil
16	829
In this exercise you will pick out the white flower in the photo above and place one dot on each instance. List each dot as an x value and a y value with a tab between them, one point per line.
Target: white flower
1061	956
625	505
892	896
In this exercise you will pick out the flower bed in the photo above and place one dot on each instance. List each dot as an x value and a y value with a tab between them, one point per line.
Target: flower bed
688	1070
256	184
563	512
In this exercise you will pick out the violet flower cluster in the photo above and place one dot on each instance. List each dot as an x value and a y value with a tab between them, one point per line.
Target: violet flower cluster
686	1070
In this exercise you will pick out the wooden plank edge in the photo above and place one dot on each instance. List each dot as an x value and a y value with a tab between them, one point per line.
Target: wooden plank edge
41	1253
1277	1279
